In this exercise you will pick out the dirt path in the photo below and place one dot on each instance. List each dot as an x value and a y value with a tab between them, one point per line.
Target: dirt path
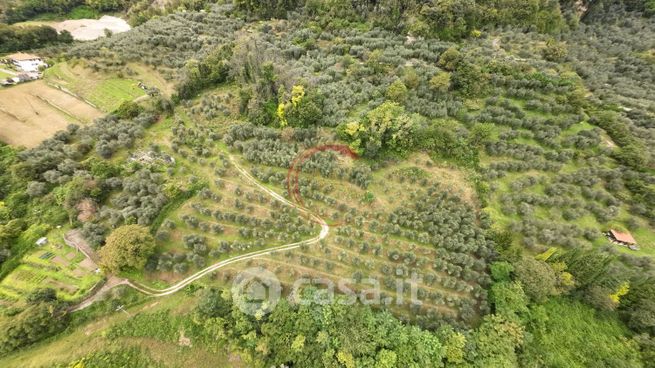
75	237
111	283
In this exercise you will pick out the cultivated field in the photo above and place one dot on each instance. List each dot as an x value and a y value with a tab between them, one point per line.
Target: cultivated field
105	92
367	240
366	211
54	265
227	216
32	112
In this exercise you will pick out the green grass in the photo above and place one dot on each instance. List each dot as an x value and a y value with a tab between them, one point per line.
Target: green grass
104	91
83	12
4	75
78	12
576	128
109	94
571	334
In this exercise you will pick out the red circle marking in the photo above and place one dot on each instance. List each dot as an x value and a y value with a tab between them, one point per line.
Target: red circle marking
293	187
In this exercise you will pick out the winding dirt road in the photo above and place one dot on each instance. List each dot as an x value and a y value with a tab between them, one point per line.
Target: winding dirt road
115	281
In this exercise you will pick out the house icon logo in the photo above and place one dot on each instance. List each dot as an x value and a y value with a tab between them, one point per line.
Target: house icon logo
256	291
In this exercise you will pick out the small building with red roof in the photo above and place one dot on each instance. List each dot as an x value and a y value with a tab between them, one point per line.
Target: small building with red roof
622	238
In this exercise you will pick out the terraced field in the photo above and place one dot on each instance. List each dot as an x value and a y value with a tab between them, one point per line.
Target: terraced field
369	246
380	232
34	111
222	217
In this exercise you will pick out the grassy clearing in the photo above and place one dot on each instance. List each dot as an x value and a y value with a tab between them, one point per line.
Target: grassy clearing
106	92
571	334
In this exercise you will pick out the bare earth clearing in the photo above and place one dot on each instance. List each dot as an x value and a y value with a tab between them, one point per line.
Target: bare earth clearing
90	29
32	112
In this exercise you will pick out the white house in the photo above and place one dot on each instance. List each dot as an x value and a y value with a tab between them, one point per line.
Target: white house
26	62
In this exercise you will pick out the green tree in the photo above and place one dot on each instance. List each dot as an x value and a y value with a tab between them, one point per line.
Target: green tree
42	295
554	51
537	277
440	82
127	247
450	59
385	359
480	134
106	5
211	70
501	271
638	306
509	300
450	19
386	128
128	110
454	345
267	8
470	80
214	303
496	342
397	92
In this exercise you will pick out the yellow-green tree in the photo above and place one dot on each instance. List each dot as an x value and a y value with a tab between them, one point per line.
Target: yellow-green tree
127	247
386	128
440	82
397	92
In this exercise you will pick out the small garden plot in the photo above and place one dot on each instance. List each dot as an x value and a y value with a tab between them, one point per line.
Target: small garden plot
46	256
54	265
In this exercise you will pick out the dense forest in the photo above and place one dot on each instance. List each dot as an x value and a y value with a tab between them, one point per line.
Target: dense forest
545	107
